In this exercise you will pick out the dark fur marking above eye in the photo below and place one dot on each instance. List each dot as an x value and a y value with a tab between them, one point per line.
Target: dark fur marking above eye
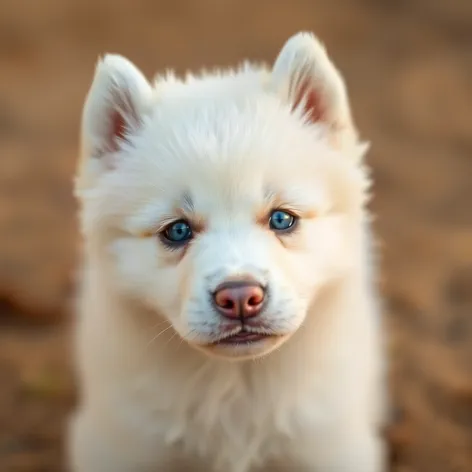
187	203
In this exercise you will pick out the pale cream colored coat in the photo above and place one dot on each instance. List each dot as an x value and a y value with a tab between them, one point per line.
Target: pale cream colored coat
157	393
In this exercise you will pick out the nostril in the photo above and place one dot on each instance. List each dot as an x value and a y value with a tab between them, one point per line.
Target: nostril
226	303
256	298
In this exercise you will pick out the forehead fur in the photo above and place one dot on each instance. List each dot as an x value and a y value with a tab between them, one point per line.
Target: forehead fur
229	118
245	79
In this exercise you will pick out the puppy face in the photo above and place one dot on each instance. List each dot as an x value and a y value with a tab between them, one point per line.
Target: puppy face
226	212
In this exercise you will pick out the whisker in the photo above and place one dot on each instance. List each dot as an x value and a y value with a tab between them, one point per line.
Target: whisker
182	338
170	339
160	323
158	335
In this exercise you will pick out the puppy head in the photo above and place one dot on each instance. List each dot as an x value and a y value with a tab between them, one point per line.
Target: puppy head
223	202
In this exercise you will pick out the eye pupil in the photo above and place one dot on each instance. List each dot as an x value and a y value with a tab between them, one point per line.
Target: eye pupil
281	220
178	232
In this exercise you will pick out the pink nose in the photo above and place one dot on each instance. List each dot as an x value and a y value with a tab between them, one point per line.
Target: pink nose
239	299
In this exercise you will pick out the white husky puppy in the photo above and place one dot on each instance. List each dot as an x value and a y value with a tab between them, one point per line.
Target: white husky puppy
228	318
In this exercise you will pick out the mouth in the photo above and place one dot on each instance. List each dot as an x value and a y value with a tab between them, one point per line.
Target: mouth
244	344
243	337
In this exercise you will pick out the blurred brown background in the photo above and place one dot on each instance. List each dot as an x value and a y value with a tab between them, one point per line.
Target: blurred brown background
408	64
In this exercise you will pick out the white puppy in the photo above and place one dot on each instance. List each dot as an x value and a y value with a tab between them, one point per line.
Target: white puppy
228	318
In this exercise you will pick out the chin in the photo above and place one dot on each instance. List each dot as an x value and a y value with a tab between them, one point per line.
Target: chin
243	348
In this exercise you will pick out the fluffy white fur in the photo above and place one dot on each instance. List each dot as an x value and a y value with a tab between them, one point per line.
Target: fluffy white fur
225	148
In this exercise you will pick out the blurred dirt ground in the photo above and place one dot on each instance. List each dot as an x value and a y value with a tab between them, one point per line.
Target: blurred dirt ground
408	64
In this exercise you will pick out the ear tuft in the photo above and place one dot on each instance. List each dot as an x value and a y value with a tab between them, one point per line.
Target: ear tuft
113	112
305	76
114	106
309	99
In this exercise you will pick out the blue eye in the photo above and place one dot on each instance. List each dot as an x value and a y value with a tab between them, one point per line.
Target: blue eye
178	232
281	220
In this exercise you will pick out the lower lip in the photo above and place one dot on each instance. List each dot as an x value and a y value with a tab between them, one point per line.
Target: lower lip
243	338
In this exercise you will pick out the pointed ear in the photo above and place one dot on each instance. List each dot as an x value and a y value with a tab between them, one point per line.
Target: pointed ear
113	111
305	76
